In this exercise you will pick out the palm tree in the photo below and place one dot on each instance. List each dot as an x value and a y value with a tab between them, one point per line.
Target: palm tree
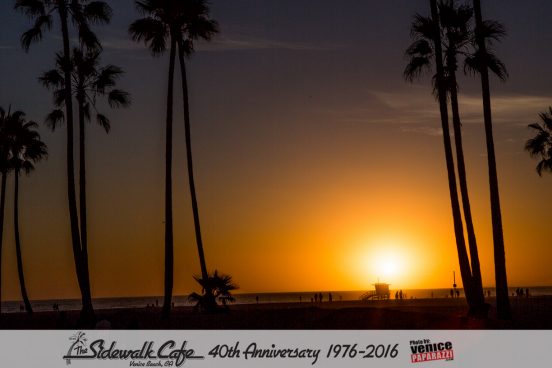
221	287
155	29
5	144
194	24
177	23
455	22
89	82
82	13
541	144
26	150
427	46
485	60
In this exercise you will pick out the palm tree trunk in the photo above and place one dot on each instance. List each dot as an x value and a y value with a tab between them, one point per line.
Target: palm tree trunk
195	210
479	299
465	270
87	312
2	205
82	194
502	300
24	295
169	251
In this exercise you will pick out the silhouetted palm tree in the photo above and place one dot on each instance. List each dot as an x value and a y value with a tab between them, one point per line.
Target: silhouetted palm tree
541	144
221	287
81	13
455	21
89	82
155	30
26	150
427	46
177	23
5	144
485	60
193	24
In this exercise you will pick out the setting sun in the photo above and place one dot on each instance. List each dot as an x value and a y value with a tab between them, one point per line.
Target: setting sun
388	265
387	262
385	258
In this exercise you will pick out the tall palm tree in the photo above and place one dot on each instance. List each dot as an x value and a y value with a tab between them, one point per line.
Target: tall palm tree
156	29
427	47
81	13
194	24
177	23
484	58
26	150
541	144
89	83
455	21
5	144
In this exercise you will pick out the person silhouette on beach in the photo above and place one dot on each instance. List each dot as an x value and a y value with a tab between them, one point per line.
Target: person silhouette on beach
330	298
397	294
320	297
316	298
451	293
400	294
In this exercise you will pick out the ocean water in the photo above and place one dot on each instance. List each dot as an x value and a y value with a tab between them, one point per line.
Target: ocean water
245	298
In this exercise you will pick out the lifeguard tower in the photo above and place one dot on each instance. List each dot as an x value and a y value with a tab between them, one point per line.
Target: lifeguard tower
381	292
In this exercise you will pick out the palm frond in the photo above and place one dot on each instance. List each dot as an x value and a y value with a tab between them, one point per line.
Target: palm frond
104	122
52	79
544	165
88	38
492	31
118	98
54	119
152	32
201	27
86	111
474	63
547	120
35	33
31	8
59	97
541	144
97	12
422	27
148	6
420	47
107	76
417	66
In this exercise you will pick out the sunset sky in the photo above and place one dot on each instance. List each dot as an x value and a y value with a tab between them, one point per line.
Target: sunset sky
317	166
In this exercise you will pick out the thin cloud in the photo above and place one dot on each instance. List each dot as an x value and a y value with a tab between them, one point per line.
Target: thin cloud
245	43
507	109
514	109
426	130
417	112
221	44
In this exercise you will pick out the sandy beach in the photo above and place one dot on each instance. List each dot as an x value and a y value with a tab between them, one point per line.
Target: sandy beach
528	313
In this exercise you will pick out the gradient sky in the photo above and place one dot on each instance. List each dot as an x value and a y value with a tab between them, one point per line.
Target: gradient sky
315	162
